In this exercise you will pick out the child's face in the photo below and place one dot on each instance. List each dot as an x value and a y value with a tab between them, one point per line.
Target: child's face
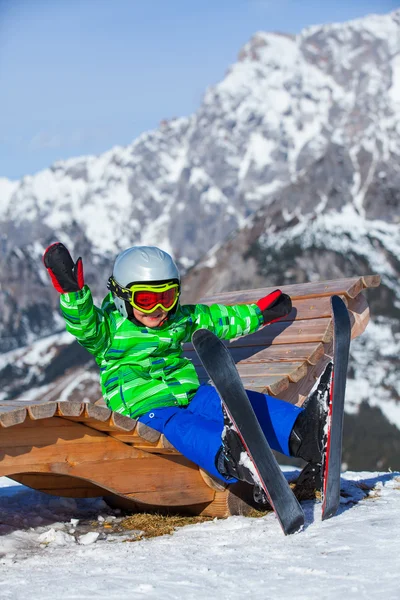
153	319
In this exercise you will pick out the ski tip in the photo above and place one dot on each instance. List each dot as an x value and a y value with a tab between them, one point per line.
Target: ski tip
337	301
340	311
329	511
205	340
200	335
295	526
328	514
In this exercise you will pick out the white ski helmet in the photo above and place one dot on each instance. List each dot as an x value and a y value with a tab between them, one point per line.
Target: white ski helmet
140	264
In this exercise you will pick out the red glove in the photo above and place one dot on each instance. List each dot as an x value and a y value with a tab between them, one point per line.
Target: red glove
274	306
66	276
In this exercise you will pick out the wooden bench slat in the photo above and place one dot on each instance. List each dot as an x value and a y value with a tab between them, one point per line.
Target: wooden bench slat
273	384
311	308
42	411
159	446
318	330
295	332
116	422
359	315
36	431
370	281
296	393
147	433
99	413
105	426
70	409
101	418
86	413
122	422
349	287
294	371
59	485
13	416
310	353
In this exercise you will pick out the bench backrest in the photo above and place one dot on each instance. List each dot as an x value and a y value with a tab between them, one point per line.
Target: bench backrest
285	358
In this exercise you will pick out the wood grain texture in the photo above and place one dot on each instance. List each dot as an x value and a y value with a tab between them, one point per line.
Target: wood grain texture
293	371
297	393
42	411
11	416
359	315
59	485
62	447
308	352
349	287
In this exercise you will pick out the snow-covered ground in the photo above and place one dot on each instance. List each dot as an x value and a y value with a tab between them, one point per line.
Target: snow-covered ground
49	548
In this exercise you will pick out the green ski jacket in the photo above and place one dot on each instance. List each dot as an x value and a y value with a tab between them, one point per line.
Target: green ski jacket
143	368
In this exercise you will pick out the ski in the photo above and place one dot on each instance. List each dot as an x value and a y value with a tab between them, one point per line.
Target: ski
221	369
333	452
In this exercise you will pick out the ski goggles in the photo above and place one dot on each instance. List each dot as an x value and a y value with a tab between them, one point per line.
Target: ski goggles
147	297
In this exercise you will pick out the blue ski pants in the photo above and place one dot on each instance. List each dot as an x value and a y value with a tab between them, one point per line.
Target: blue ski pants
195	430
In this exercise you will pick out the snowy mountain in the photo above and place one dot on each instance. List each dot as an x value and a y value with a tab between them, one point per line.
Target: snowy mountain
287	172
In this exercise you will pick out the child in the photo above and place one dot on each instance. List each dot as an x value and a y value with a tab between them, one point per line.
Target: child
136	338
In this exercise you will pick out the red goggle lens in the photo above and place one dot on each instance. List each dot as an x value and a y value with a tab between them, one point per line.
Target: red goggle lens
148	300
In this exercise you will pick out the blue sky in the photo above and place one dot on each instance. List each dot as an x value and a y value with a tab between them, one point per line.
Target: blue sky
80	76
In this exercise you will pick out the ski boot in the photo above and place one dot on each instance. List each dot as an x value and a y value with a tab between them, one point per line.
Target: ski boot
232	460
308	436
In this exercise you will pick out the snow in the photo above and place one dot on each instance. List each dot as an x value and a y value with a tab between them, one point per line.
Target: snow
32	359
7	188
375	371
39	353
346	231
174	164
394	92
52	547
380	26
258	152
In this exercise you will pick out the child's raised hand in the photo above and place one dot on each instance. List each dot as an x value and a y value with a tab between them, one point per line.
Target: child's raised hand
274	306
66	276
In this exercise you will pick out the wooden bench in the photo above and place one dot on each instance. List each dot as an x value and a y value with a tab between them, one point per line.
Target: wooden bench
84	450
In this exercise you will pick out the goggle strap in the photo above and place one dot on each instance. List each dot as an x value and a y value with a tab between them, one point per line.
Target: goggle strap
116	289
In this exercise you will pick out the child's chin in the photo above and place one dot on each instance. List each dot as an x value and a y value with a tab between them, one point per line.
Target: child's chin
153	322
